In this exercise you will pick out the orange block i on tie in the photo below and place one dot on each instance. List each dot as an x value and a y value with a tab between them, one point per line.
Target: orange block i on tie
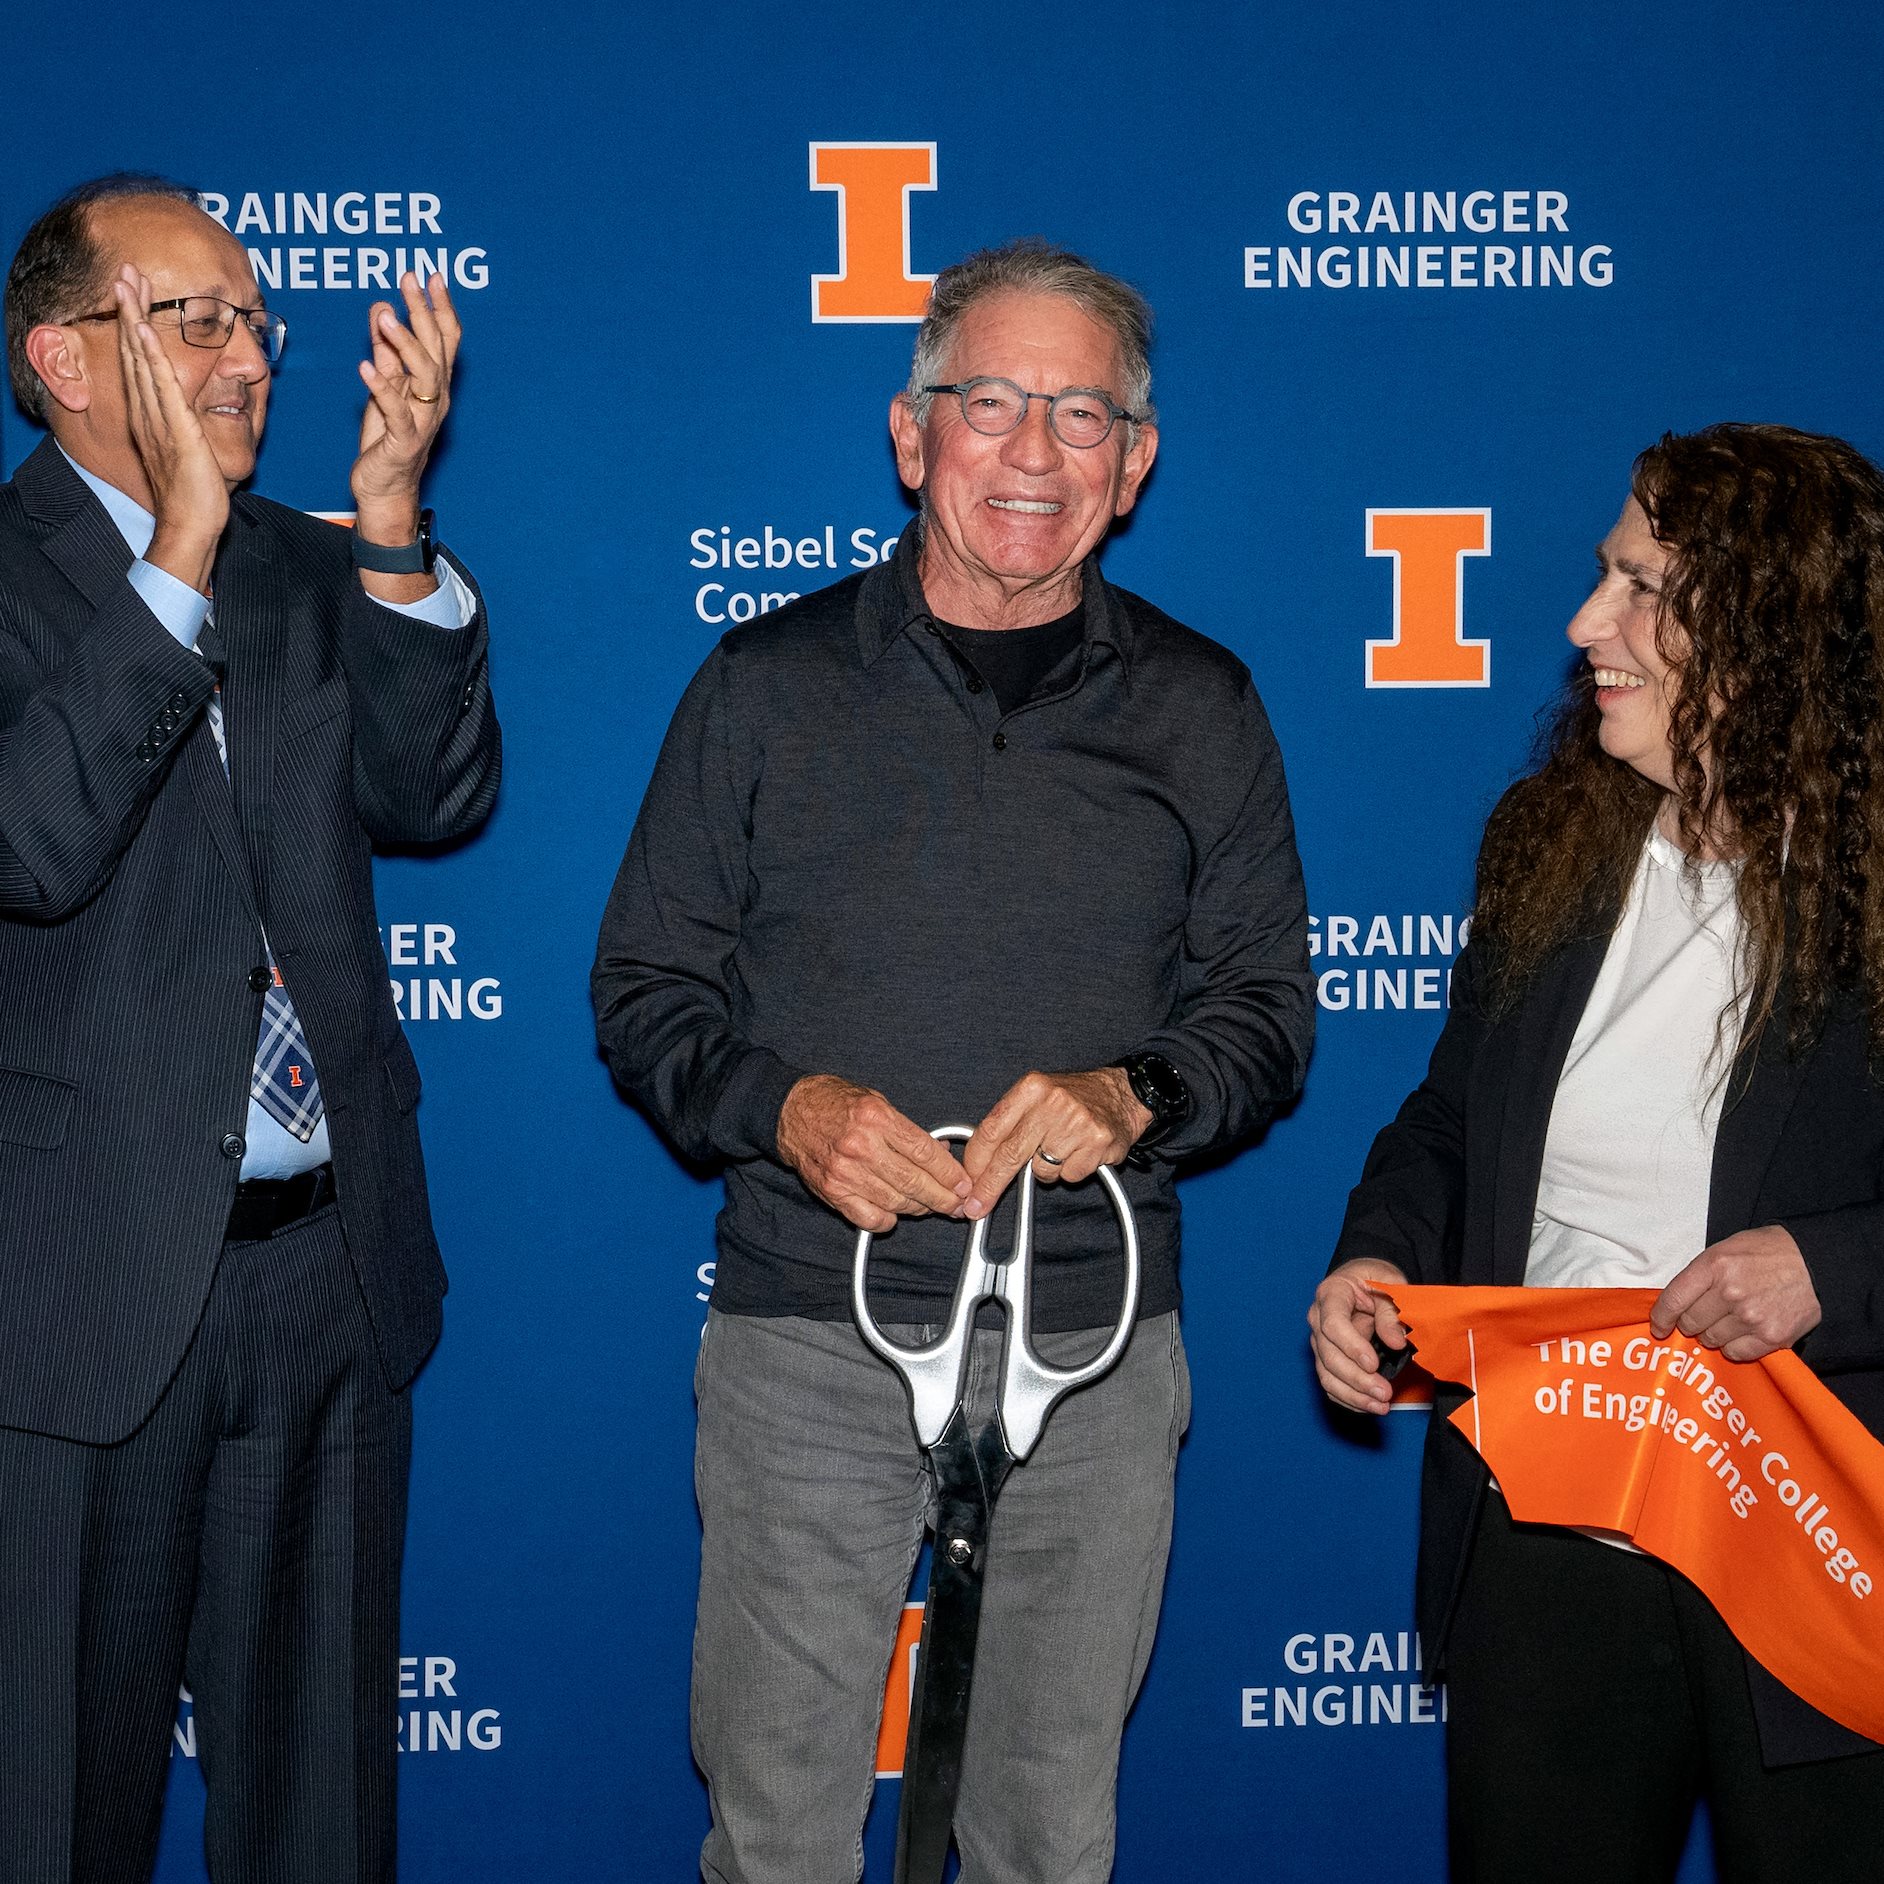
873	184
1429	647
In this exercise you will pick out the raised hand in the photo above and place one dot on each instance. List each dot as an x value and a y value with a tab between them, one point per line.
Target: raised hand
409	380
189	492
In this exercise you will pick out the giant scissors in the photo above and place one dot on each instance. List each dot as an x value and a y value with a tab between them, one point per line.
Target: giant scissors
970	1468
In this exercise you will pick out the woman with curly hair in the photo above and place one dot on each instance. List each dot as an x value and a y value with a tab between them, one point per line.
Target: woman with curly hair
1659	1070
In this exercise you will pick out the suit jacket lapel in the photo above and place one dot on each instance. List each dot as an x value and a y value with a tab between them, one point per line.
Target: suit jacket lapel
1543	1027
84	545
1753	1114
201	761
81	541
249	621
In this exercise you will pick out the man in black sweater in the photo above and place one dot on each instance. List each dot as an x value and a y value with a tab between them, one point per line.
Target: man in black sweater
972	813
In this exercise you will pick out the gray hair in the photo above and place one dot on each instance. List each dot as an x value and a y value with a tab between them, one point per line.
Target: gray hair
1031	266
61	268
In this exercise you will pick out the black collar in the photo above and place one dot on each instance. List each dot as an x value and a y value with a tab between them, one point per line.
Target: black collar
890	603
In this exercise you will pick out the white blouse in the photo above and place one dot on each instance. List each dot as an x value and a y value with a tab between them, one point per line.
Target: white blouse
1622	1199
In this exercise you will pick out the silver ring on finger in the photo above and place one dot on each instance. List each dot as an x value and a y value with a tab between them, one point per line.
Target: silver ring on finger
1047	1157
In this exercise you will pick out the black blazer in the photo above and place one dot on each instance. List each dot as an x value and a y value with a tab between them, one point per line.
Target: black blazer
1449	1189
135	884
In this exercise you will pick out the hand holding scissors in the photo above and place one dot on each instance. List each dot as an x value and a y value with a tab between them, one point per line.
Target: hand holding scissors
1064	1124
858	1154
970	1469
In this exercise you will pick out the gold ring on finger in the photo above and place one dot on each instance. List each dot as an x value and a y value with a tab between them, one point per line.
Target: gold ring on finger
426	399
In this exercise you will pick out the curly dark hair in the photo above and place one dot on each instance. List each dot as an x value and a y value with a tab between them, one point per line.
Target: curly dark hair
1772	613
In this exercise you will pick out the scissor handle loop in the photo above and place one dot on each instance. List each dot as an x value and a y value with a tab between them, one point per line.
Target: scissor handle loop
1030	1387
936	1374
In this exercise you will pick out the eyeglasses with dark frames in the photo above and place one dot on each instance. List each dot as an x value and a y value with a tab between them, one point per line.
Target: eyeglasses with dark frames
205	320
1080	416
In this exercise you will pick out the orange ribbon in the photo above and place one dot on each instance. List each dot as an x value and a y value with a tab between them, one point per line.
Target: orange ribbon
1750	1478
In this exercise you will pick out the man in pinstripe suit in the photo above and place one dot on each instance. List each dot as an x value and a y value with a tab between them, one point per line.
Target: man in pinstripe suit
217	1268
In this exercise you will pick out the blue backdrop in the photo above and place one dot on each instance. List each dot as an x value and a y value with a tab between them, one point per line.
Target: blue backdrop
623	198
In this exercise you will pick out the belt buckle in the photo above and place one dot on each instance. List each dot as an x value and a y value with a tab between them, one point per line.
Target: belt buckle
263	1206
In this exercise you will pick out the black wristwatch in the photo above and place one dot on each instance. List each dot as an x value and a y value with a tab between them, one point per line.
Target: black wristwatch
407	559
1159	1087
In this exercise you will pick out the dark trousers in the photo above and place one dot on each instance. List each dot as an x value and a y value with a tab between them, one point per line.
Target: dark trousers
245	1541
1593	1696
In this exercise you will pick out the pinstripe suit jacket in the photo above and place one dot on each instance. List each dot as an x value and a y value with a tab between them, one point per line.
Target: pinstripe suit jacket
136	881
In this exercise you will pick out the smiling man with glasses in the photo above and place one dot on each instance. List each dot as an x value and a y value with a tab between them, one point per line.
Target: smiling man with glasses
974	836
217	1268
208	321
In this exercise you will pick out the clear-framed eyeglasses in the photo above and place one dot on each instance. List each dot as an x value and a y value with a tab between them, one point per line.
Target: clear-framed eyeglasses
1081	416
205	321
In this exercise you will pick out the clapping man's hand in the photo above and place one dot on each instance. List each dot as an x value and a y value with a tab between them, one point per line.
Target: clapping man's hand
189	491
409	379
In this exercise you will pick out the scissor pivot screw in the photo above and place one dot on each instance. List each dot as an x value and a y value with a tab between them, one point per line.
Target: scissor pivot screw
960	1550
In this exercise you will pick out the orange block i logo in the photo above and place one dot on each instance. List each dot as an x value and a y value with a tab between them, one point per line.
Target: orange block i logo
1428	647
873	183
899	1691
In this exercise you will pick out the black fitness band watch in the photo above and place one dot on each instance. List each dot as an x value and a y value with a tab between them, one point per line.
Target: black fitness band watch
404	559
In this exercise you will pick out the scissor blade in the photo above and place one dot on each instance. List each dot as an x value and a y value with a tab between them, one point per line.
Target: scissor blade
945	1663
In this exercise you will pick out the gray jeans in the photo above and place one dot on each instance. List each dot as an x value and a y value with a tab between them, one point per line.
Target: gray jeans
813	1498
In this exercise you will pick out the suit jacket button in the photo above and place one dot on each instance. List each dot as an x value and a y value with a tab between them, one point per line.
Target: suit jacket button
232	1145
259	980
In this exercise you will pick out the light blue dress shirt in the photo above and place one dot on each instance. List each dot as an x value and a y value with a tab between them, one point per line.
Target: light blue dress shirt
273	1152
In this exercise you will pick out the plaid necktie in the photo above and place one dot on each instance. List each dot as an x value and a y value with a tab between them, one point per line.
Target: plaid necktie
283	1081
